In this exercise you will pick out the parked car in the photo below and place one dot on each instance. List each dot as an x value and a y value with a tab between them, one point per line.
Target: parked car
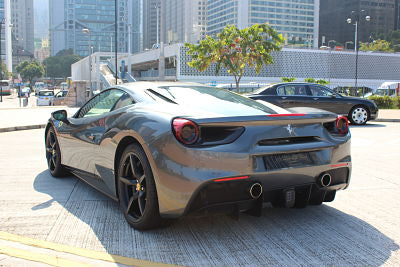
44	98
59	98
166	149
288	95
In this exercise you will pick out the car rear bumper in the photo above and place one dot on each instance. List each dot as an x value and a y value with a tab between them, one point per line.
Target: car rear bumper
235	195
193	186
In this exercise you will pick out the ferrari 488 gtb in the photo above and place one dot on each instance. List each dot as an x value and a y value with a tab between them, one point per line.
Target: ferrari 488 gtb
168	149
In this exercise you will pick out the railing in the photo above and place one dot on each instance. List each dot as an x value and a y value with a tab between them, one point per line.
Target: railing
127	75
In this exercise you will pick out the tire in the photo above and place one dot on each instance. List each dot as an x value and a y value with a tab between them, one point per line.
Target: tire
358	115
53	155
137	192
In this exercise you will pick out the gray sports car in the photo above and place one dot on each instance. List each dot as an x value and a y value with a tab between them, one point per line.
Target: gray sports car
167	149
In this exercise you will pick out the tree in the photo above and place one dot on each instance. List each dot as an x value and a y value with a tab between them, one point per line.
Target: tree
393	37
234	48
288	79
4	74
30	70
59	66
377	45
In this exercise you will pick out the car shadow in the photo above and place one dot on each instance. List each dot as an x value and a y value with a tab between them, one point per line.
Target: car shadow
317	235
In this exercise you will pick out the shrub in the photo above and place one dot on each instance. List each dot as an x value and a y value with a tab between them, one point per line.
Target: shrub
288	79
385	102
322	82
396	101
309	80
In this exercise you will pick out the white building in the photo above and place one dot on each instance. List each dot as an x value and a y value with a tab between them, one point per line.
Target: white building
23	24
5	37
296	20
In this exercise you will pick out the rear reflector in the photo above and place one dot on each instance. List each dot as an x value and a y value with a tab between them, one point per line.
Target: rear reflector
287	115
339	165
231	179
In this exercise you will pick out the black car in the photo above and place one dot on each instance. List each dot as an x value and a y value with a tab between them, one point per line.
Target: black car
288	95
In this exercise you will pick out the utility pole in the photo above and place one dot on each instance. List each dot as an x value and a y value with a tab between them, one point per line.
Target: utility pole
116	42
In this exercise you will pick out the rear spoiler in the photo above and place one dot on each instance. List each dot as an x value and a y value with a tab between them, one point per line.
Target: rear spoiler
269	119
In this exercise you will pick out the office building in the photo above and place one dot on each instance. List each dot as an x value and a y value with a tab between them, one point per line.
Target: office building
183	20
68	19
151	23
397	16
23	25
5	36
334	15
296	20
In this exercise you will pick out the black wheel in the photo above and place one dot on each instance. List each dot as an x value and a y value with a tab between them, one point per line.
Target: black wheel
137	190
53	155
359	115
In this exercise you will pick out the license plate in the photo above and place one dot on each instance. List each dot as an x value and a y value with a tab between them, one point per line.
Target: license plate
46	98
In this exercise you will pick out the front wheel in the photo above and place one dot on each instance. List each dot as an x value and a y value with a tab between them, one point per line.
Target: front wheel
137	190
53	155
358	115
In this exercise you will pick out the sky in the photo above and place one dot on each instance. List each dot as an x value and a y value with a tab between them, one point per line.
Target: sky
41	17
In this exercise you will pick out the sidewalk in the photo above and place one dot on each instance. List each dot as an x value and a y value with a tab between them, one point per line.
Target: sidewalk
389	115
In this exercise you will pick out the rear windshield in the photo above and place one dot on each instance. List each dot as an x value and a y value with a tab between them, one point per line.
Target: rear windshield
211	98
46	93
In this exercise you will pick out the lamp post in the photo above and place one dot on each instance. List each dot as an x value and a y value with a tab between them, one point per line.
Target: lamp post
2	22
116	41
87	31
358	17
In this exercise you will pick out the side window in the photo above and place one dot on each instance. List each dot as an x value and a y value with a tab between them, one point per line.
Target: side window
280	90
319	91
101	104
124	101
292	90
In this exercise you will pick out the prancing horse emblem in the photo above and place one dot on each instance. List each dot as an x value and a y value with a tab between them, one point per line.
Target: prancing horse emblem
290	129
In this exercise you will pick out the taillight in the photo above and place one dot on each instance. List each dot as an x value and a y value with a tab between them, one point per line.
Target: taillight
342	125
185	131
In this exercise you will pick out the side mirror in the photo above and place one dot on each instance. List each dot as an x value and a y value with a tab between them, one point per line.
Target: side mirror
60	115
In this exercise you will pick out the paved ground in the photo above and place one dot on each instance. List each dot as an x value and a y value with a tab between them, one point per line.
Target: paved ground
361	227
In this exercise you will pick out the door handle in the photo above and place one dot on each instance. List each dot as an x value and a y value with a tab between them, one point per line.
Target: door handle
316	98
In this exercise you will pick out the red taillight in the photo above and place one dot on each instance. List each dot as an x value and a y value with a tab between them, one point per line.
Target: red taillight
185	131
342	125
231	179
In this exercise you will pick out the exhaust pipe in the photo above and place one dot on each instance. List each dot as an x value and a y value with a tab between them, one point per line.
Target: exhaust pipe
255	190
325	180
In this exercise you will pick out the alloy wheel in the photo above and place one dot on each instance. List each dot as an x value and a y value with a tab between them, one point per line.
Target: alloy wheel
359	115
133	185
51	151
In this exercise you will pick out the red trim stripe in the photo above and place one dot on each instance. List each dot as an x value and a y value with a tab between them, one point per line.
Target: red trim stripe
339	165
287	115
231	179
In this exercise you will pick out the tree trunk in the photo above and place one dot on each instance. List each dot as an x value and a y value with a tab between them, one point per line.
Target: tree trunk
237	81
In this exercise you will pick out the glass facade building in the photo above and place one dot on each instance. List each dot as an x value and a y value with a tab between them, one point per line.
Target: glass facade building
296	20
69	17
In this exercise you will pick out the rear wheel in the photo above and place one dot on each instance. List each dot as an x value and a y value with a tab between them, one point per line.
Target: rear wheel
137	190
359	115
53	155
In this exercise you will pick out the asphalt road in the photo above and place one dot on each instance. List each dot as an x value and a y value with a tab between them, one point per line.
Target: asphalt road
361	227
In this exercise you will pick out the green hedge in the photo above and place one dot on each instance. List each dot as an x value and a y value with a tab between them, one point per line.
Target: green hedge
386	102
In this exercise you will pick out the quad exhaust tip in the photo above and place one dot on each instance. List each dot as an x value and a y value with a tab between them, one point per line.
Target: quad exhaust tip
255	190
325	180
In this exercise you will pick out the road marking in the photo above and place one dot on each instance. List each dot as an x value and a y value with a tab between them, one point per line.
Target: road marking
87	253
38	257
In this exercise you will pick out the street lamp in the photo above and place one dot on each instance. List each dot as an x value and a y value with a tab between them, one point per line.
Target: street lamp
357	18
87	31
116	40
2	22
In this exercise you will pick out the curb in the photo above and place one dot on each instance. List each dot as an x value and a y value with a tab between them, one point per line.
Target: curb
21	128
387	120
